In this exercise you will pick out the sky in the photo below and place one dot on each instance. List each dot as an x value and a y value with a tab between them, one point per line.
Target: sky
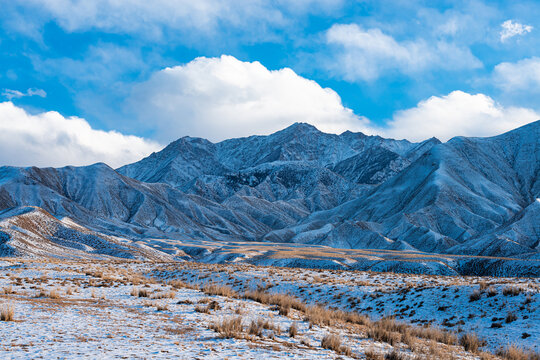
113	81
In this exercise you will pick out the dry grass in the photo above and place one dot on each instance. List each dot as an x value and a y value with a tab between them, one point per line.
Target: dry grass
511	290
7	313
334	342
372	355
394	355
293	330
139	292
470	342
51	294
515	353
164	295
220	290
229	327
475	295
281	300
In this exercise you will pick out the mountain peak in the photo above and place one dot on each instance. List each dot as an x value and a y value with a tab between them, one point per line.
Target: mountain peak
301	127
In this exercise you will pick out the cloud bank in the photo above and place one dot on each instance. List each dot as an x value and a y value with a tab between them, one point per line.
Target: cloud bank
49	139
220	98
457	114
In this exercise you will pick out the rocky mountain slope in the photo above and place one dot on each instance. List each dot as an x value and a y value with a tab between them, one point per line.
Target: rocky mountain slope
475	196
470	195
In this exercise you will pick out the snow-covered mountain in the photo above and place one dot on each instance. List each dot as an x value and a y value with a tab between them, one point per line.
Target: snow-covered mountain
470	195
476	196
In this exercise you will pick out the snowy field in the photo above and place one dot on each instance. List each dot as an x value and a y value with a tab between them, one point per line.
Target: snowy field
191	310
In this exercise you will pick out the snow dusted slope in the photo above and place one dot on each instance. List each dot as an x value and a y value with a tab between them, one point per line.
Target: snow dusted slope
474	196
33	232
190	158
462	196
98	196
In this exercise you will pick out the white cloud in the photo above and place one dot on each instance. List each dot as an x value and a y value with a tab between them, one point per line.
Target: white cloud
457	114
220	98
151	18
511	29
365	54
522	75
15	94
49	139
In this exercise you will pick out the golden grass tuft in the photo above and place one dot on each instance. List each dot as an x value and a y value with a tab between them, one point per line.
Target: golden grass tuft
334	342
230	327
7	313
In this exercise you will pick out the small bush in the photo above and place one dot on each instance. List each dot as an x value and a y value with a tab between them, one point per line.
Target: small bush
220	290
7	313
511	291
491	291
475	295
470	342
333	342
510	317
293	330
138	292
371	355
228	327
394	355
202	309
161	307
255	328
514	353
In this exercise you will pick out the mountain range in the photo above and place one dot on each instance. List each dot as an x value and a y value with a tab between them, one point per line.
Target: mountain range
470	196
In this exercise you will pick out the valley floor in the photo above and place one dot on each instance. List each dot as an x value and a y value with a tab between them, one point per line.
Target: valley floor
121	309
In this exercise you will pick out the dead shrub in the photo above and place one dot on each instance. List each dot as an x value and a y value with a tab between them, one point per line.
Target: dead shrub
333	342
371	355
229	327
511	290
255	328
220	290
515	353
293	330
394	355
161	307
475	295
139	292
510	317
491	291
7	313
202	309
470	342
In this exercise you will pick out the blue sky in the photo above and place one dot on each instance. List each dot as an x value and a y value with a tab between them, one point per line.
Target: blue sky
114	80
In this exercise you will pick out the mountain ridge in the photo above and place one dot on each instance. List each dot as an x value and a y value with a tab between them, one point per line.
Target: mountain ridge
475	196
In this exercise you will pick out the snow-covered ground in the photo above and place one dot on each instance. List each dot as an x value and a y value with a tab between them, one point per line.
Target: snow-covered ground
91	310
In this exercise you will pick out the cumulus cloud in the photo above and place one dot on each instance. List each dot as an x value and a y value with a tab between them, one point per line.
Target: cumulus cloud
457	114
49	139
15	94
365	54
522	75
511	29
220	98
